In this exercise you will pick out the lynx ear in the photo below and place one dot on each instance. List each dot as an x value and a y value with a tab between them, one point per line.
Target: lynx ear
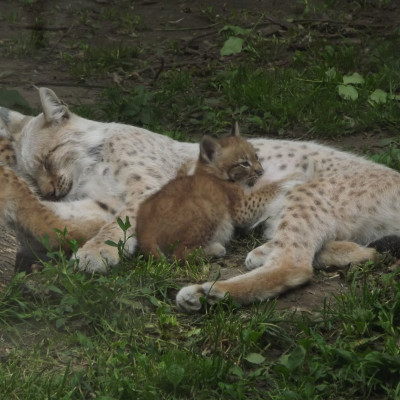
209	147
54	110
11	123
235	129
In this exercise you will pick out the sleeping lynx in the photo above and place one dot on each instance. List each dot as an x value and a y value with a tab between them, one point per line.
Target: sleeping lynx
203	209
112	168
19	203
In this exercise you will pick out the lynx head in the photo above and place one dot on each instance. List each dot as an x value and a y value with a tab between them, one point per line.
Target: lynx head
229	158
46	146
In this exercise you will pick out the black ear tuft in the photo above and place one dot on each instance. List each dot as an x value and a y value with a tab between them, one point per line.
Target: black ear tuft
209	147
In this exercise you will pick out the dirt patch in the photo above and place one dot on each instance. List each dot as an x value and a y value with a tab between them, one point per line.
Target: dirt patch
41	40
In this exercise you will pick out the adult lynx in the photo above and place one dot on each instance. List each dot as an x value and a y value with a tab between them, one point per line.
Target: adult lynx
202	210
115	167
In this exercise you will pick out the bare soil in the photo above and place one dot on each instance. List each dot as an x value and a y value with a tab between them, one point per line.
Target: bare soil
36	35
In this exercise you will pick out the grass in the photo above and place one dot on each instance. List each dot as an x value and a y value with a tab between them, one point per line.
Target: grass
67	335
302	100
93	61
74	336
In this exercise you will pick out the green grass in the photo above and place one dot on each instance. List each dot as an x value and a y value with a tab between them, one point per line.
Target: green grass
75	336
93	60
301	99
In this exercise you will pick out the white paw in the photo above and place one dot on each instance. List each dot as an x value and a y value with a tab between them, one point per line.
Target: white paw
91	259
130	245
215	250
188	298
257	257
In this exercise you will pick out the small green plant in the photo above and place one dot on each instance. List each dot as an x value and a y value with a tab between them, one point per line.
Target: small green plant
125	227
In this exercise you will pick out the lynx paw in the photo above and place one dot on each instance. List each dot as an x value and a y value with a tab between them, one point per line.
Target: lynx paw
257	257
188	298
96	260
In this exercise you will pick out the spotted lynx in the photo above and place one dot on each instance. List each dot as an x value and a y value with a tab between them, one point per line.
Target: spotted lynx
348	203
202	210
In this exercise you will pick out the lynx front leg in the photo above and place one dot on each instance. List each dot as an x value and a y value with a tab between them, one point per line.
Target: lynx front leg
285	271
96	255
21	209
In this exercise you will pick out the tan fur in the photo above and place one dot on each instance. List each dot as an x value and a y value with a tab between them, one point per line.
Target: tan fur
340	254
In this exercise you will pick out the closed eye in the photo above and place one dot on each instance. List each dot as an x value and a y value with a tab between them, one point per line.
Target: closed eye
46	164
245	164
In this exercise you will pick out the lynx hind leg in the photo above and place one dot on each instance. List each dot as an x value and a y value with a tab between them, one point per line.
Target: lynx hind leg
183	253
149	248
342	253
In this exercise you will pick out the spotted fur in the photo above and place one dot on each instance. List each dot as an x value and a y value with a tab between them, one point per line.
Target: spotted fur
7	155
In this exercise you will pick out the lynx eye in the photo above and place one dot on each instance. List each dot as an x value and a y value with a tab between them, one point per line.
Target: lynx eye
46	164
245	164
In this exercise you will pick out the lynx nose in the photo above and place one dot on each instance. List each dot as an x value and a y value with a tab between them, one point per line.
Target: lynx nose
260	171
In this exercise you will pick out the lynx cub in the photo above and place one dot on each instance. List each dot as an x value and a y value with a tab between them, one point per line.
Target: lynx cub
202	210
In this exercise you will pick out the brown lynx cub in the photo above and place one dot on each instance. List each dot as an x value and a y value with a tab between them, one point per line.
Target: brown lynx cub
202	210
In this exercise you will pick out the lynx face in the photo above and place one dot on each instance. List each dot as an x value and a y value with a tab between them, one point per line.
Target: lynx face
53	183
230	158
54	171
